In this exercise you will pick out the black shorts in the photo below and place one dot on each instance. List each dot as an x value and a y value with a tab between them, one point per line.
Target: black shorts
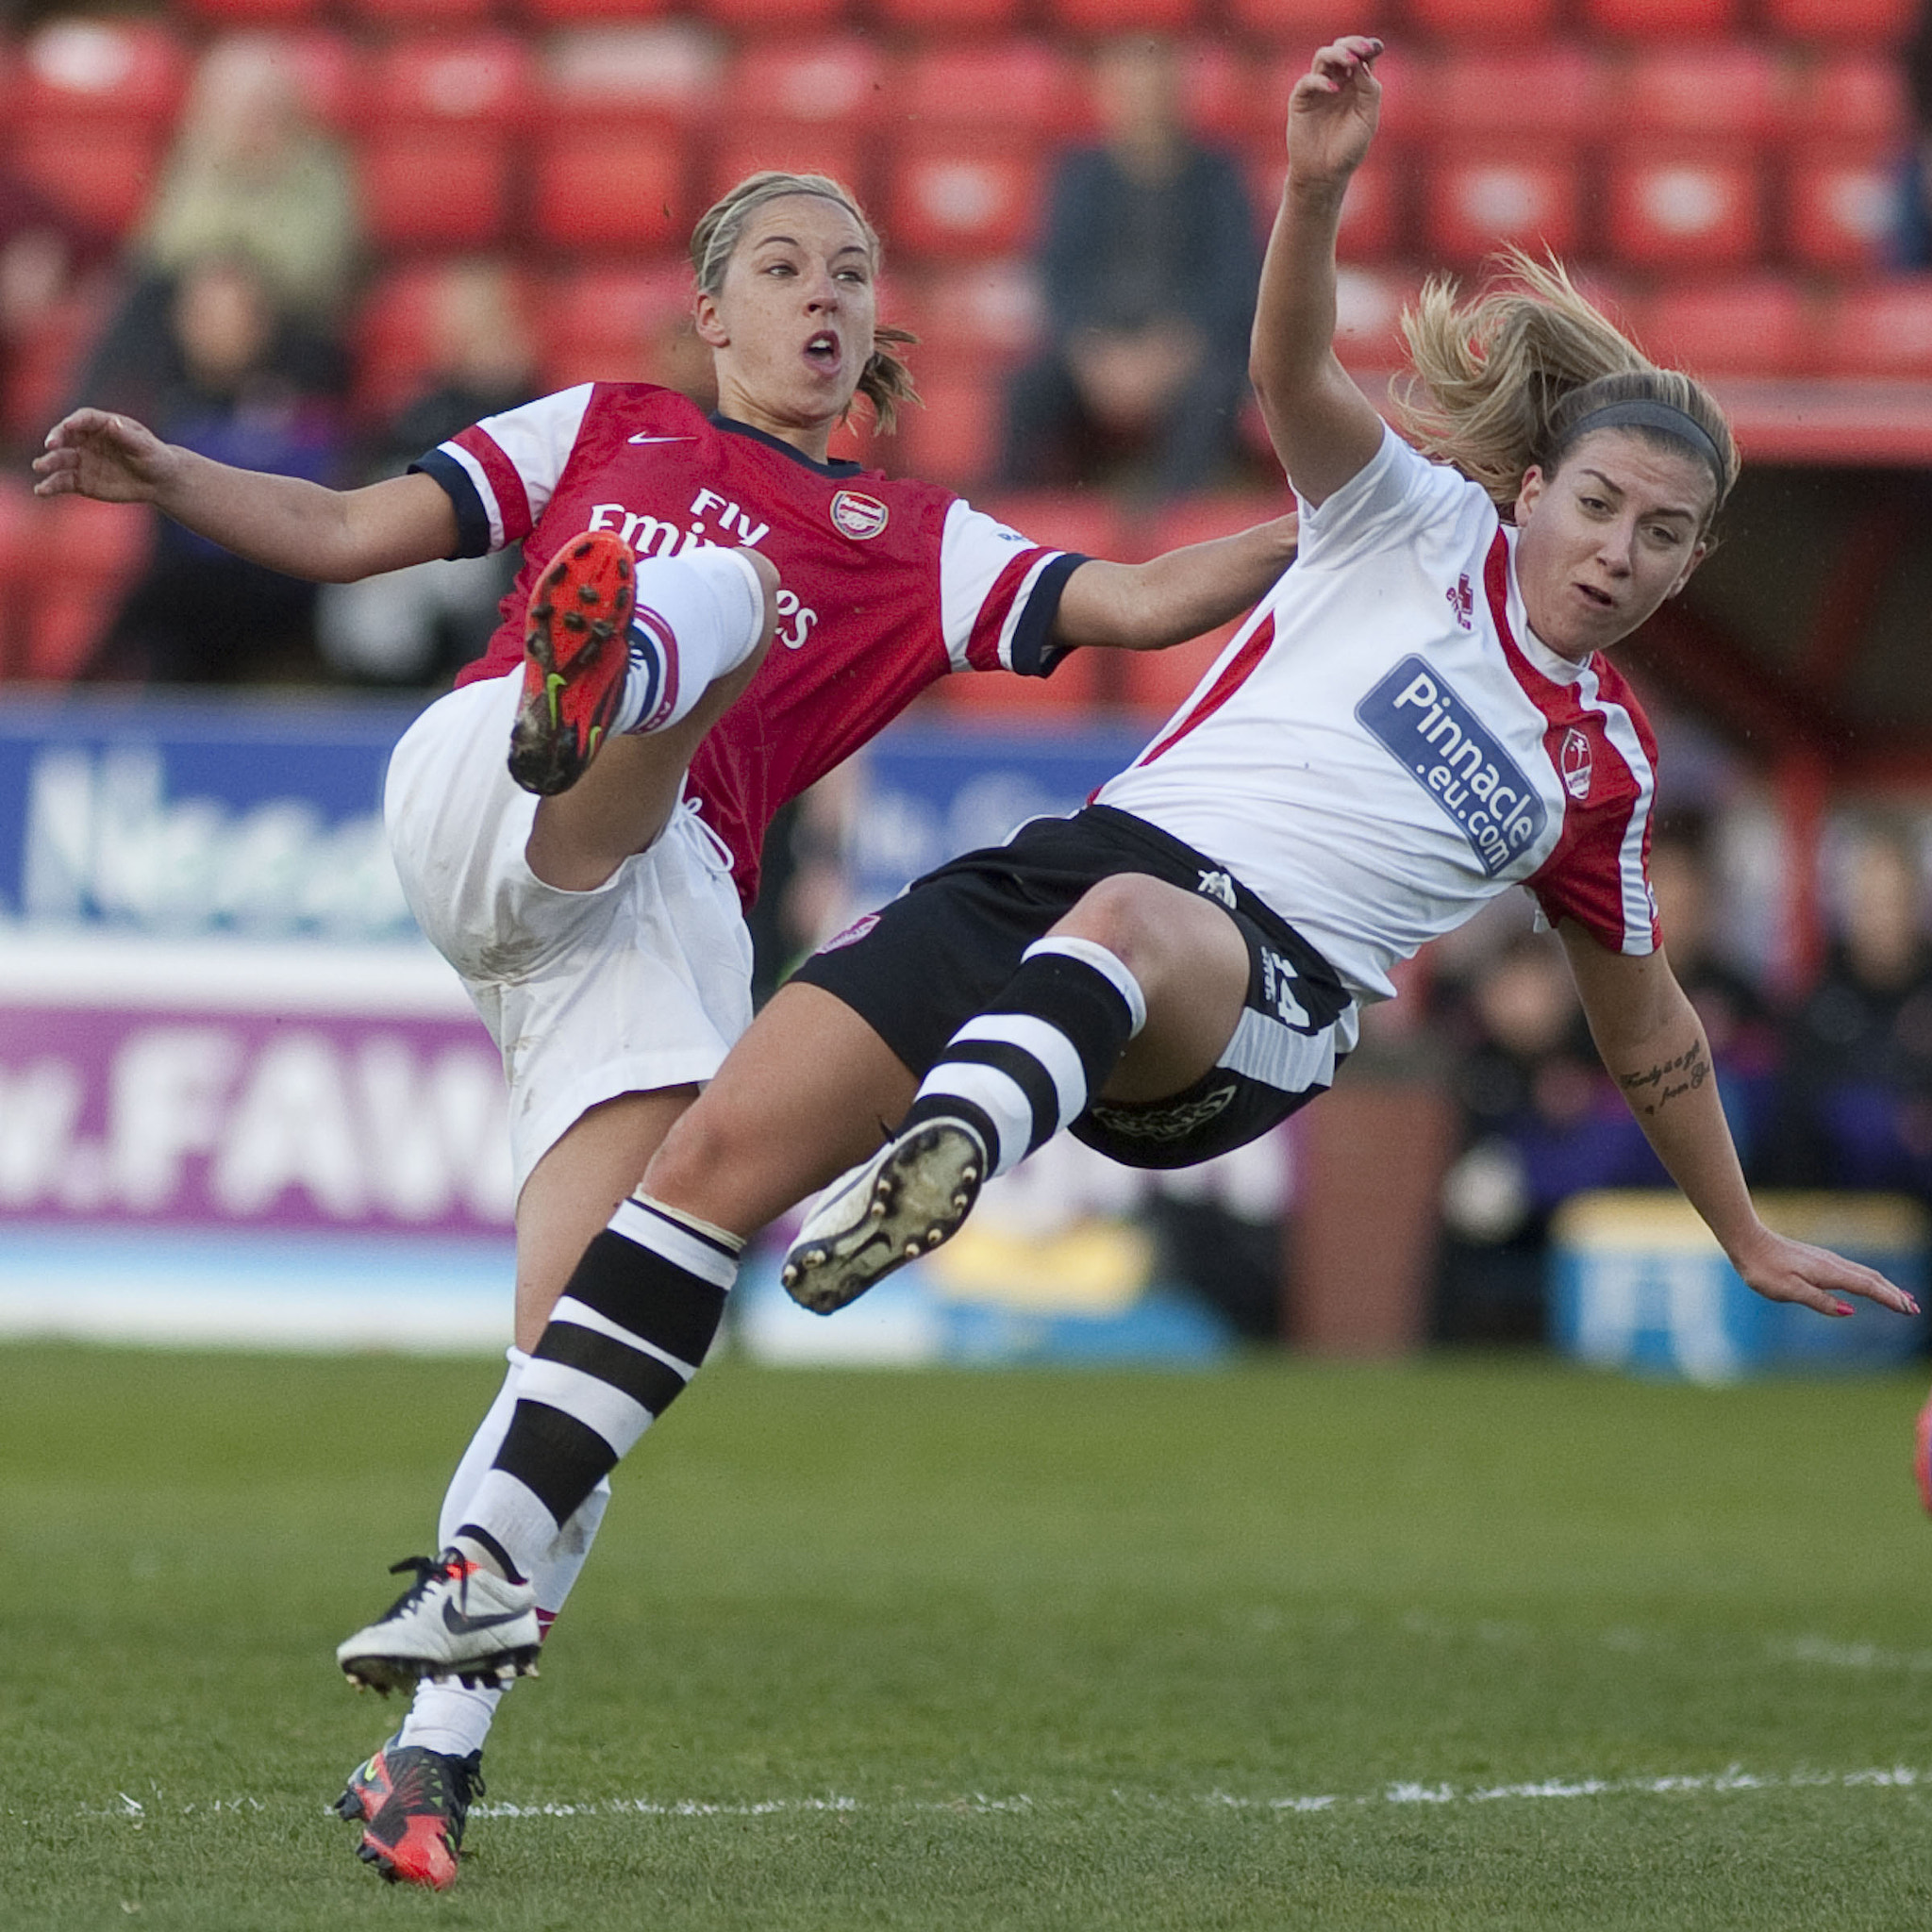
918	969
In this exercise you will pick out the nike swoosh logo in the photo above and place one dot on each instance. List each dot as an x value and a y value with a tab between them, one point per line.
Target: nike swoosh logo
456	1621
661	439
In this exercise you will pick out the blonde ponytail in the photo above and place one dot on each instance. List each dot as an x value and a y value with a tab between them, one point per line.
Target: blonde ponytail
1502	381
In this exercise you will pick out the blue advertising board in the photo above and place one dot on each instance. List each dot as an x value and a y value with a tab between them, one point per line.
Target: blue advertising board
244	817
933	790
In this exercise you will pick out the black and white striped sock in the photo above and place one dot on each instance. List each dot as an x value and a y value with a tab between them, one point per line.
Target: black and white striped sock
632	1329
1020	1070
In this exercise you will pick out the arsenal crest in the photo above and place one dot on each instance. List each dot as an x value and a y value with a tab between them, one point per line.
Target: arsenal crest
1574	763
856	515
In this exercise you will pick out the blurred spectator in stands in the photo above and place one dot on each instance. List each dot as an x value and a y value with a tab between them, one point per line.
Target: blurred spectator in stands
1148	267
1912	235
198	613
1856	1105
250	176
1540	1122
417	625
45	254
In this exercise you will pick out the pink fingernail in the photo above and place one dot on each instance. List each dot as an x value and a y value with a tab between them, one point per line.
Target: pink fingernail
1842	1309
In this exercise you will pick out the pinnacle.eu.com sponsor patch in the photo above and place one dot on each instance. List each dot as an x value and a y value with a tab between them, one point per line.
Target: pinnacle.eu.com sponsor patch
1453	756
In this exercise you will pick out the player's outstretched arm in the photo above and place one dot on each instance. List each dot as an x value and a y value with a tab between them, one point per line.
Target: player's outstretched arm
286	523
1177	595
1322	427
1654	1046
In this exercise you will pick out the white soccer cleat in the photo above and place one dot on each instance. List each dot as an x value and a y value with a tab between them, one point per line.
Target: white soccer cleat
914	1193
457	1619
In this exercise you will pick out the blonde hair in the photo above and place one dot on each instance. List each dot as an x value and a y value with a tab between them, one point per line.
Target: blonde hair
1507	379
885	382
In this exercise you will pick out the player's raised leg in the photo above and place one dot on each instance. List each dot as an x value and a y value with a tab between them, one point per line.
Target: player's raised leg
1073	1023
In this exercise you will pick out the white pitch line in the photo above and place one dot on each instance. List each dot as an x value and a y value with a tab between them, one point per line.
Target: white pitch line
1405	1792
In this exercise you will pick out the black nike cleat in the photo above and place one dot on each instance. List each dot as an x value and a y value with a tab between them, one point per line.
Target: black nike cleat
413	1804
457	1619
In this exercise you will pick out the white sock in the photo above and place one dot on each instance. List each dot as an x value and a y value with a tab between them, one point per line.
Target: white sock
697	616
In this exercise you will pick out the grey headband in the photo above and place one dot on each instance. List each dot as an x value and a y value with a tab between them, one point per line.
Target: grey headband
1640	412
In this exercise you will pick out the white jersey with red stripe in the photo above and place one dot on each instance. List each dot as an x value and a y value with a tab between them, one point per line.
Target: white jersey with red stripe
889	584
1385	745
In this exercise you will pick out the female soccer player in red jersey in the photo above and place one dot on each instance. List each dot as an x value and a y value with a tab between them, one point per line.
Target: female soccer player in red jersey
1418	717
597	927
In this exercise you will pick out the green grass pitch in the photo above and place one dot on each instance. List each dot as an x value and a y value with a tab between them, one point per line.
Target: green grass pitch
1453	1644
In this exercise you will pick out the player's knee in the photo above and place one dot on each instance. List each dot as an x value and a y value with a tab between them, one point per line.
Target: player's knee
1161	934
692	1170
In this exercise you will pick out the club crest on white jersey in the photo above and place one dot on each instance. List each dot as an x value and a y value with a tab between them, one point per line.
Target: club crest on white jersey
1575	763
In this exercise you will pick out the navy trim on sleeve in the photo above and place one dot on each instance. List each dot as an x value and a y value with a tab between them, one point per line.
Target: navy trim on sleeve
472	520
1034	655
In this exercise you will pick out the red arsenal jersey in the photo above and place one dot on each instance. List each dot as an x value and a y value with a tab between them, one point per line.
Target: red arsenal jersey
887	583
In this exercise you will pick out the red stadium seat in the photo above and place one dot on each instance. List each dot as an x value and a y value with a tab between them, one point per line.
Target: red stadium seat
126	72
773	16
1840	206
481	81
1503	22
1854	96
1882	329
1728	88
666	74
746	145
1685	206
989	309
391	337
436	187
1121	16
1028	85
604	324
224	14
1870	23
1368	320
1305	24
88	553
962	193
1665	20
543	13
43	361
594	185
841	79
420	14
105	180
952	436
1481	194
1559	90
1373	210
938	17
1760	325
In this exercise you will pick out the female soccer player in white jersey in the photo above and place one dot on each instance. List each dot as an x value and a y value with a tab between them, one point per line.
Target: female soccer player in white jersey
1418	717
597	927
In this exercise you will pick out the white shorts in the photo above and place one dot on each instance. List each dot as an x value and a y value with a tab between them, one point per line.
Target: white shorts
643	983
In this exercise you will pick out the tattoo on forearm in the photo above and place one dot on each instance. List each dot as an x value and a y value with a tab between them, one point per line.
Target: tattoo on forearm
1650	1092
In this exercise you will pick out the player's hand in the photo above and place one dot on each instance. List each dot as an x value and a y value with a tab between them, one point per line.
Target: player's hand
94	453
1782	1270
1333	110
